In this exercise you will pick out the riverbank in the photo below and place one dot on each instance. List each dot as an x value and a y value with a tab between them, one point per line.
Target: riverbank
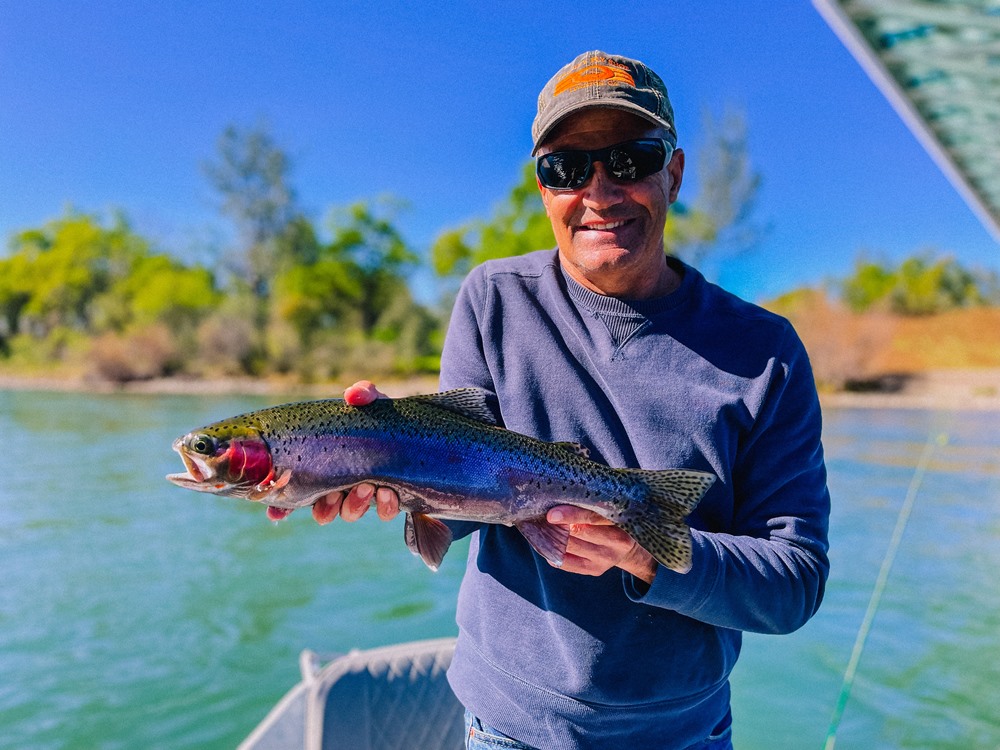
952	390
941	389
215	386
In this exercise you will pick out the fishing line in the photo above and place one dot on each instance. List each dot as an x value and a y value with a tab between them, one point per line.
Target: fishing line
933	441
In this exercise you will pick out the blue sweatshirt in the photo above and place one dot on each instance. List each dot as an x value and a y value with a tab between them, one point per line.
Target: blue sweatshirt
697	379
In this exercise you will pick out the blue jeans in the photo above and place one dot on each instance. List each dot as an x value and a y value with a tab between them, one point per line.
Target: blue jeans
479	736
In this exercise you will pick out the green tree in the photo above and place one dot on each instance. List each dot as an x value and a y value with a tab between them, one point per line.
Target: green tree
354	296
921	284
79	284
719	218
357	274
159	289
927	285
379	258
871	283
56	273
519	225
16	288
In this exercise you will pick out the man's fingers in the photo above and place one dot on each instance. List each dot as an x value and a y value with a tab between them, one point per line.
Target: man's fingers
596	545
357	502
568	515
386	503
362	393
327	507
579	547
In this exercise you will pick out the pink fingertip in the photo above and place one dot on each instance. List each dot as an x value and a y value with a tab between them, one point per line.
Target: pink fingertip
361	393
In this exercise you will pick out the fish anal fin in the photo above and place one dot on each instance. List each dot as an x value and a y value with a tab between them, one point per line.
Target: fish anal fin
547	539
428	538
468	402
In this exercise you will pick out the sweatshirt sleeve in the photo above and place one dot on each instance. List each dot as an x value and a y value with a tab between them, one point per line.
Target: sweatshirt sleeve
768	572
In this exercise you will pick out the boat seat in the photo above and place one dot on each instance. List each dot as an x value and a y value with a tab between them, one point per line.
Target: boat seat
377	699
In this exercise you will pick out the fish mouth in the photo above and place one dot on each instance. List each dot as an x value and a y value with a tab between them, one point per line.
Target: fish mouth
193	469
182	479
196	472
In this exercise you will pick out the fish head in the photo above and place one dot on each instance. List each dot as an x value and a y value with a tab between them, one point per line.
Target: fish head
223	460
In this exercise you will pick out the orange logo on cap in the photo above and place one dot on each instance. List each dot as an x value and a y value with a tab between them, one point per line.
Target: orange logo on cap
605	73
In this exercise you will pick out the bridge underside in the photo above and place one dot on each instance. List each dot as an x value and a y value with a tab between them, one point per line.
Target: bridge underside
938	63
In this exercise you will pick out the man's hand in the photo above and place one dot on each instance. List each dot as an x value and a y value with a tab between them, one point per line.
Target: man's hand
358	500
596	545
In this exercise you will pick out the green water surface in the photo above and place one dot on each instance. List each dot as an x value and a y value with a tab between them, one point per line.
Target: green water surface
134	614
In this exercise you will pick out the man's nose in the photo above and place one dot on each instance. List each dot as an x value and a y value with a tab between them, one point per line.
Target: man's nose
601	189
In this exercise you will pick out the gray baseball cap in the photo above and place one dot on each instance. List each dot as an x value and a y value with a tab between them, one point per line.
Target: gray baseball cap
596	79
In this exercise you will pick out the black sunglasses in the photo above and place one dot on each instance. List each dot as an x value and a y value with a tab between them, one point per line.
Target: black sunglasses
628	161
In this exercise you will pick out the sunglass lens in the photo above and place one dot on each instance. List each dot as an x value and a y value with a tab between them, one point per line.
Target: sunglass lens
621	164
636	160
564	170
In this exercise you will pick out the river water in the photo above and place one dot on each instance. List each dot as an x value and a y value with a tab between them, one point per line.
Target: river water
136	614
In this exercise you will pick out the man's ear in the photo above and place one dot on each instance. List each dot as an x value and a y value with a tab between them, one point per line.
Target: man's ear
675	168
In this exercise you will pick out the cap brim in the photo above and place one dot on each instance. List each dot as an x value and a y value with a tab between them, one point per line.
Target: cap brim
626	106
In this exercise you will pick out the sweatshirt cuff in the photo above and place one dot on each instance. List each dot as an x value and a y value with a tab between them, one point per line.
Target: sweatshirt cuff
682	592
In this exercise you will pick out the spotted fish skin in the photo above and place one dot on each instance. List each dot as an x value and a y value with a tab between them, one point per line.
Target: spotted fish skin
445	457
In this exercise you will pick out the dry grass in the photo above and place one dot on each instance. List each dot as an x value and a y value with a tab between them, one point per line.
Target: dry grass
850	348
959	339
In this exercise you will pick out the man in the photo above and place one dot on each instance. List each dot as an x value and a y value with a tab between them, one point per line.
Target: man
608	342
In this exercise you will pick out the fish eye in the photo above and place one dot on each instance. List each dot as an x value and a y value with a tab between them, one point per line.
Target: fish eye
204	444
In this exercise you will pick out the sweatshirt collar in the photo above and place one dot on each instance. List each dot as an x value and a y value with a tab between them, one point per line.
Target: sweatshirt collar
605	305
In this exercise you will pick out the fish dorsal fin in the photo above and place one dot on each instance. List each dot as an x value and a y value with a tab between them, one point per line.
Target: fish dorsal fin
469	402
579	450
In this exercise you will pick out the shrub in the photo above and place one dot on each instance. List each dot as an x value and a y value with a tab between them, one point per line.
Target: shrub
843	346
226	344
141	354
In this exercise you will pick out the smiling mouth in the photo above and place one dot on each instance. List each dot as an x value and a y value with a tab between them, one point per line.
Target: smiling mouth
605	227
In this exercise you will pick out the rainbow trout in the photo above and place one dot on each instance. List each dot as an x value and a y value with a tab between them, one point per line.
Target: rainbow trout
446	459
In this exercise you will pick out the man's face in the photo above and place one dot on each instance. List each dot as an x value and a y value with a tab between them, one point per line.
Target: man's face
610	233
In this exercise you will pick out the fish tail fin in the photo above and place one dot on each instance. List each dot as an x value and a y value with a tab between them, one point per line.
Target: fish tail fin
659	527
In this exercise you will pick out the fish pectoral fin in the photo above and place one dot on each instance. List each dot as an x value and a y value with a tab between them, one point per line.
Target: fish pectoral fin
269	485
548	540
427	537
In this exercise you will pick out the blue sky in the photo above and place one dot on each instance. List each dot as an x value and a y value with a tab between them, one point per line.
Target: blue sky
107	105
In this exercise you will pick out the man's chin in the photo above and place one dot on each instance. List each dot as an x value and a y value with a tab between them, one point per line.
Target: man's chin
602	256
